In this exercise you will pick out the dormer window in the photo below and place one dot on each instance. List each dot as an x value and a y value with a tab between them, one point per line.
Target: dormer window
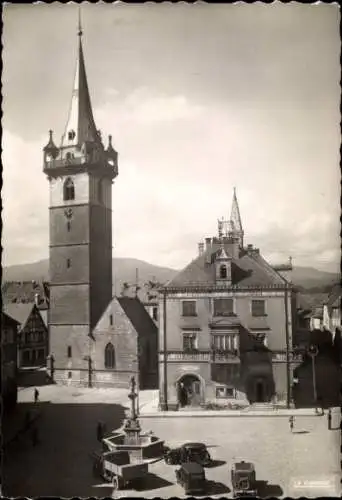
71	135
223	272
68	190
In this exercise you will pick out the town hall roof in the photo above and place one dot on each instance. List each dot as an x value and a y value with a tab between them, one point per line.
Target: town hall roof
248	270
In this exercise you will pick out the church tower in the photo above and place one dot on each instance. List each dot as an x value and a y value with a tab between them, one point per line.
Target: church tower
80	174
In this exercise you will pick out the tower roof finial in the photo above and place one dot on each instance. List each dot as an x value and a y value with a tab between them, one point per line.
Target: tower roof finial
80	32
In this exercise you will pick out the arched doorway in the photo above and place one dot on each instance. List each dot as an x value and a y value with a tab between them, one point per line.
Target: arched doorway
259	390
190	390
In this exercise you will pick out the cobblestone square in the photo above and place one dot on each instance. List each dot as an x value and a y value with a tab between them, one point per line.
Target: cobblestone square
60	465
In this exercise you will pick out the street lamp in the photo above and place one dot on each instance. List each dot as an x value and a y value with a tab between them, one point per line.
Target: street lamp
312	352
90	370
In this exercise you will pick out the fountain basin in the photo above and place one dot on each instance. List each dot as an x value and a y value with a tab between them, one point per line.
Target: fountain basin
147	445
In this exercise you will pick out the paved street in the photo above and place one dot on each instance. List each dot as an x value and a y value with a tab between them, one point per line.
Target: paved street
60	464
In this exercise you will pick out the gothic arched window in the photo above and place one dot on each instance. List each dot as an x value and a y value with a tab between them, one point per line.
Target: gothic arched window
109	356
223	272
68	190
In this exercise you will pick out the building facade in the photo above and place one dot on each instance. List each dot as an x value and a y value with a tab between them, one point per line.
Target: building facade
93	338
332	310
32	336
225	326
9	369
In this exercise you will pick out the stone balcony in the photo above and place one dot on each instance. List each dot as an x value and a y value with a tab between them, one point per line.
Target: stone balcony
215	356
201	356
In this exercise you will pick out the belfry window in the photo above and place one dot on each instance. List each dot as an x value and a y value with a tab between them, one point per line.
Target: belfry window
71	135
109	356
68	190
223	272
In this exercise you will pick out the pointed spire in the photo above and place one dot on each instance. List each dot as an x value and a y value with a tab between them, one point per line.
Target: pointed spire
235	218
80	126
235	213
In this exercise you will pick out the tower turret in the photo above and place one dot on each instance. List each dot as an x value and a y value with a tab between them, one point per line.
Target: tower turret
223	262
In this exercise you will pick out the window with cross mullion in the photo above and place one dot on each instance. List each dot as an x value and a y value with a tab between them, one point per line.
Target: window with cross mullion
190	341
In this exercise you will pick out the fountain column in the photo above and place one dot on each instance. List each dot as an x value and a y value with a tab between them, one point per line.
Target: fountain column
132	427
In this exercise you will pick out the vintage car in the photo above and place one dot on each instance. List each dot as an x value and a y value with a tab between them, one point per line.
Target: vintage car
191	476
243	479
115	467
188	452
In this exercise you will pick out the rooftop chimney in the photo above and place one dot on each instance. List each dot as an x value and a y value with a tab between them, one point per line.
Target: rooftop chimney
36	299
250	249
200	248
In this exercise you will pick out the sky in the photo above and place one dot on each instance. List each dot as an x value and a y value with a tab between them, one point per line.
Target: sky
199	98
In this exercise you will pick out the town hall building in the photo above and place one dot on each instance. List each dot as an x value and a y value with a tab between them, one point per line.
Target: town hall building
95	339
226	323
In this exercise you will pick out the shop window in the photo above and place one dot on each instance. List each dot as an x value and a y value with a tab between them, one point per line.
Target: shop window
225	392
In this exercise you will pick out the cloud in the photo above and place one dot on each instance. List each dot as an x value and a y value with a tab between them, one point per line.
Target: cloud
145	106
25	197
178	162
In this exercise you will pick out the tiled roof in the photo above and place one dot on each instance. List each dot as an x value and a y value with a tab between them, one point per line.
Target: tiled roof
5	318
247	270
138	315
24	292
19	312
334	298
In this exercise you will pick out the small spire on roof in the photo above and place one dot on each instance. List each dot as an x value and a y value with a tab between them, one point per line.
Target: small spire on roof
235	218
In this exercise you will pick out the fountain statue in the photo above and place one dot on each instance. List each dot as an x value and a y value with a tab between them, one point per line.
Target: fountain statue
141	447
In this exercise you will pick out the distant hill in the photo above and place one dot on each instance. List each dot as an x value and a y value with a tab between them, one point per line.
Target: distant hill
309	278
124	270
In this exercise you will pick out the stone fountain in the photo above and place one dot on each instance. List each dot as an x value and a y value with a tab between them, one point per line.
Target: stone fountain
141	446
